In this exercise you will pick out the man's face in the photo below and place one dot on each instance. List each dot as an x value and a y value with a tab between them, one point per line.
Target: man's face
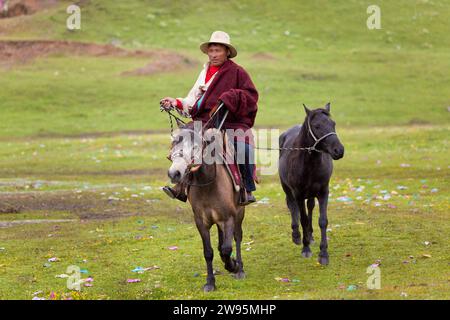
217	54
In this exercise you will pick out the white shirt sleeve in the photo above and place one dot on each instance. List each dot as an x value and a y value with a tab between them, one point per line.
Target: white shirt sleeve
195	93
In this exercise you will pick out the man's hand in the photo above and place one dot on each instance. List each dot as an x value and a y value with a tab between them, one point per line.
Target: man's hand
168	103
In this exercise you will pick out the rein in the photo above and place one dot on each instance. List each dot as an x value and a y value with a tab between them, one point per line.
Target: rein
204	127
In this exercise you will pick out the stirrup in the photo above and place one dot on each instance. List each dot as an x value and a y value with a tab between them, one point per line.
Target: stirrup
170	192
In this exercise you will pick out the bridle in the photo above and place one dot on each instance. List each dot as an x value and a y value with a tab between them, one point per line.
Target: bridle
193	167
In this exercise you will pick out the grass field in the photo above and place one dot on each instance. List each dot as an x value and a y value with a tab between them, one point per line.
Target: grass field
82	151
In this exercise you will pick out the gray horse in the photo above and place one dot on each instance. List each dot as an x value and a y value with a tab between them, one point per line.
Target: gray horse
305	167
213	199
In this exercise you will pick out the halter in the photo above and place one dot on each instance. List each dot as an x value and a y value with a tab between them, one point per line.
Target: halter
317	141
309	149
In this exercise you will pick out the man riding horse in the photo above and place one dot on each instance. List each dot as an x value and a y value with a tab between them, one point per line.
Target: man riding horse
221	81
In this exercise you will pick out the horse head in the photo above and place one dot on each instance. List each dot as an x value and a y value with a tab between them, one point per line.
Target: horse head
322	129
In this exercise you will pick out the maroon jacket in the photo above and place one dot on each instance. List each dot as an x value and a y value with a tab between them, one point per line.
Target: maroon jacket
233	86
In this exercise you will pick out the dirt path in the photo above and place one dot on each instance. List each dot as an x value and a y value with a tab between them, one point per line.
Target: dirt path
14	53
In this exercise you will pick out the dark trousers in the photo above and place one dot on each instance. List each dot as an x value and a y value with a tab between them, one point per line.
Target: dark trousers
246	161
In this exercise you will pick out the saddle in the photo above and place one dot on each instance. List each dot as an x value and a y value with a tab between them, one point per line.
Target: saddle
230	162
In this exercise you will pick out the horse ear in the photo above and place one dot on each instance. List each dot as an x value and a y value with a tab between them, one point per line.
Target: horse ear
328	107
306	109
180	124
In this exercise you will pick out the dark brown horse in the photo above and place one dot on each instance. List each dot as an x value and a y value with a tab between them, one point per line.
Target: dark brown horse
305	168
213	199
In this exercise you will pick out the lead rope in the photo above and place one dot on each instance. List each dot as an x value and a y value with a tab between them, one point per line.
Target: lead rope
309	149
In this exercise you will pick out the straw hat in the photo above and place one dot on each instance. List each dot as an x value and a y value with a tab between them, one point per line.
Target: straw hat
219	37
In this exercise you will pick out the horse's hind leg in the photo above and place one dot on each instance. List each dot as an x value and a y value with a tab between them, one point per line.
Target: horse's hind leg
293	208
208	254
240	274
306	251
310	203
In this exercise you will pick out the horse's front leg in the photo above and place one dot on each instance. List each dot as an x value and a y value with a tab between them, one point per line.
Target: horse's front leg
208	254
323	223
306	251
238	238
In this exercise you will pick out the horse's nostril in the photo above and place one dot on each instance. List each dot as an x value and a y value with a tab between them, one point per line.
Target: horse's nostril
175	175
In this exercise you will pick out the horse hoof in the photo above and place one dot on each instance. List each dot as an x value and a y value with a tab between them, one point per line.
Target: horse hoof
306	253
239	275
323	261
209	287
296	239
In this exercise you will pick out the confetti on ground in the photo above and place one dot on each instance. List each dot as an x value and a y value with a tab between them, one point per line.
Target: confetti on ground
54	259
344	199
62	276
264	200
282	279
173	248
84	271
425	255
133	280
352	287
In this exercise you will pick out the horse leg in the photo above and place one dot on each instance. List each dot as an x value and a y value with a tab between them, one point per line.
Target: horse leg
227	247
238	238
293	208
306	251
310	203
323	223
208	254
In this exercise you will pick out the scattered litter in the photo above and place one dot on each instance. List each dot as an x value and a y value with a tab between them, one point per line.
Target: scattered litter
62	276
282	279
264	200
2	249
391	206
37	292
142	270
434	190
154	227
401	188
84	271
90	279
88	284
47	265
133	280
426	255
427	243
344	199
196	274
54	259
295	280
403	294
38	298
173	248
405	165
352	287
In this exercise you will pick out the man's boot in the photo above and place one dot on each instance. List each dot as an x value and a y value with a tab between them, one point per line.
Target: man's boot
177	192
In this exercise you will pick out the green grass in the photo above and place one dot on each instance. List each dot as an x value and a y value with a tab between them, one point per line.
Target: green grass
80	141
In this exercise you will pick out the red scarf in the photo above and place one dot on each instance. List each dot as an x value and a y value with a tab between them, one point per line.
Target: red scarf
211	71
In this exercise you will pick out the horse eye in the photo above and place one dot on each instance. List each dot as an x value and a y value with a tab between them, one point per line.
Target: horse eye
317	127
